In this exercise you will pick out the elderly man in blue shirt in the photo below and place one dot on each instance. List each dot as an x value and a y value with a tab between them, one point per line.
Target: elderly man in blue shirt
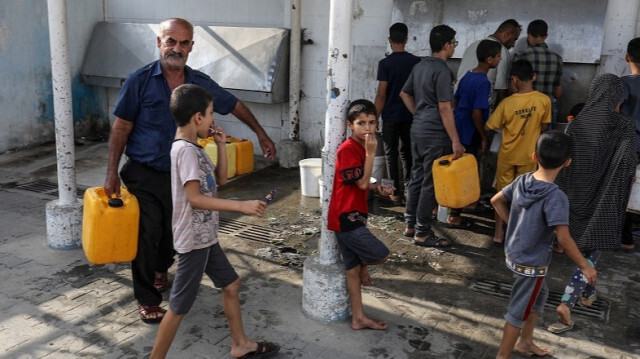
145	125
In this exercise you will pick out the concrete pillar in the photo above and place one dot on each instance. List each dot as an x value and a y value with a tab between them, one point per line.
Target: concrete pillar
324	294
294	69
291	151
619	27
64	216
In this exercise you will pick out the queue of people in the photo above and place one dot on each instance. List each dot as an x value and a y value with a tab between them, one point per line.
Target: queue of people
569	187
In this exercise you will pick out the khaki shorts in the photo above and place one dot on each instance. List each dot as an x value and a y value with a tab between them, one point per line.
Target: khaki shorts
505	173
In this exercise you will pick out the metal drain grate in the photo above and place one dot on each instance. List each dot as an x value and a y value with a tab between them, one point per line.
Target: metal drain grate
247	231
600	308
46	187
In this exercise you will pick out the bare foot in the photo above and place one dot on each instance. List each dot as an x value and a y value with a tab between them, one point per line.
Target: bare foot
564	314
242	350
531	348
498	240
365	278
367	323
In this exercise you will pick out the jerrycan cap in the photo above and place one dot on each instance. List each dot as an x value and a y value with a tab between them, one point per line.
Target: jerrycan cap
115	202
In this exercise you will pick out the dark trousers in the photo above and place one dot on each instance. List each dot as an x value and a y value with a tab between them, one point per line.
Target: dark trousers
421	197
627	230
396	137
155	240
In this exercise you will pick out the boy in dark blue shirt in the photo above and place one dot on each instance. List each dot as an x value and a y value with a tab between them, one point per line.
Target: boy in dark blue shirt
472	99
393	72
631	107
538	208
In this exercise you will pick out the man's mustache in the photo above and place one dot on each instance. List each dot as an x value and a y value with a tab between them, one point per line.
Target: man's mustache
175	54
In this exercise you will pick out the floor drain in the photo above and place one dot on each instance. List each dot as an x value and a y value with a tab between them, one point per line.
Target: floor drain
46	187
247	231
600	308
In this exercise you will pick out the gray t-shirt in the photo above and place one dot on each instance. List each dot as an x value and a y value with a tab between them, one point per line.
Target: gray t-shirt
192	228
430	82
536	208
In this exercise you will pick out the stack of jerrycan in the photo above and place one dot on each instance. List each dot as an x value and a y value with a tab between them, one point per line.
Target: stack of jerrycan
456	182
109	226
239	154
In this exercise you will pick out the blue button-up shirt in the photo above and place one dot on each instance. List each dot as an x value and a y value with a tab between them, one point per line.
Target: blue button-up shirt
144	100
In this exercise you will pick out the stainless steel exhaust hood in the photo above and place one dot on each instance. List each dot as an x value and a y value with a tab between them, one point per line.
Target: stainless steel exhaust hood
252	63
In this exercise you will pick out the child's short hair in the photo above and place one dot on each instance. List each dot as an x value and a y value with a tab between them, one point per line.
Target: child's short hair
359	107
439	36
398	33
186	101
553	149
537	28
487	48
522	69
633	50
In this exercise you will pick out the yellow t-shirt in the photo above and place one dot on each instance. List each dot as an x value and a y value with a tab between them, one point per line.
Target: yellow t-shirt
520	116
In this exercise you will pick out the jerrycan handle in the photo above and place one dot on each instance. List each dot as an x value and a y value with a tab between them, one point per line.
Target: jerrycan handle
115	202
446	162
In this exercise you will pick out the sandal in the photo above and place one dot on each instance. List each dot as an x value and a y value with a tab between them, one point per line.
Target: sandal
628	248
465	223
160	281
560	327
151	314
409	232
264	350
431	241
588	301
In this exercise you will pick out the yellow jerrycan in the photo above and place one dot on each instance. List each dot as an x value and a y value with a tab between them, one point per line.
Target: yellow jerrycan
456	182
244	156
109	226
212	151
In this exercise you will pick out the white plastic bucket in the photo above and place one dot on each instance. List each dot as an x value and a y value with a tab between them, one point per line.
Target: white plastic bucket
379	168
310	172
634	197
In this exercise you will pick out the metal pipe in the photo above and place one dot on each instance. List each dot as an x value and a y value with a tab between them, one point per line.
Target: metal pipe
294	70
619	27
62	100
338	68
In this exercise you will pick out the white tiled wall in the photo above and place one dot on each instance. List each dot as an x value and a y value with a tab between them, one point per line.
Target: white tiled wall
269	13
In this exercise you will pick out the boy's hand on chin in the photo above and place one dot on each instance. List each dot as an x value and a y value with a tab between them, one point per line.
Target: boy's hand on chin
370	144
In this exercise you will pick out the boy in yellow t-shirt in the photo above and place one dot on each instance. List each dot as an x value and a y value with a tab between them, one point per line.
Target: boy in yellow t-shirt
522	117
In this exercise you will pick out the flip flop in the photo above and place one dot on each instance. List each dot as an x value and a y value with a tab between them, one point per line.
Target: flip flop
587	302
560	327
408	233
628	248
150	314
465	223
431	241
264	350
